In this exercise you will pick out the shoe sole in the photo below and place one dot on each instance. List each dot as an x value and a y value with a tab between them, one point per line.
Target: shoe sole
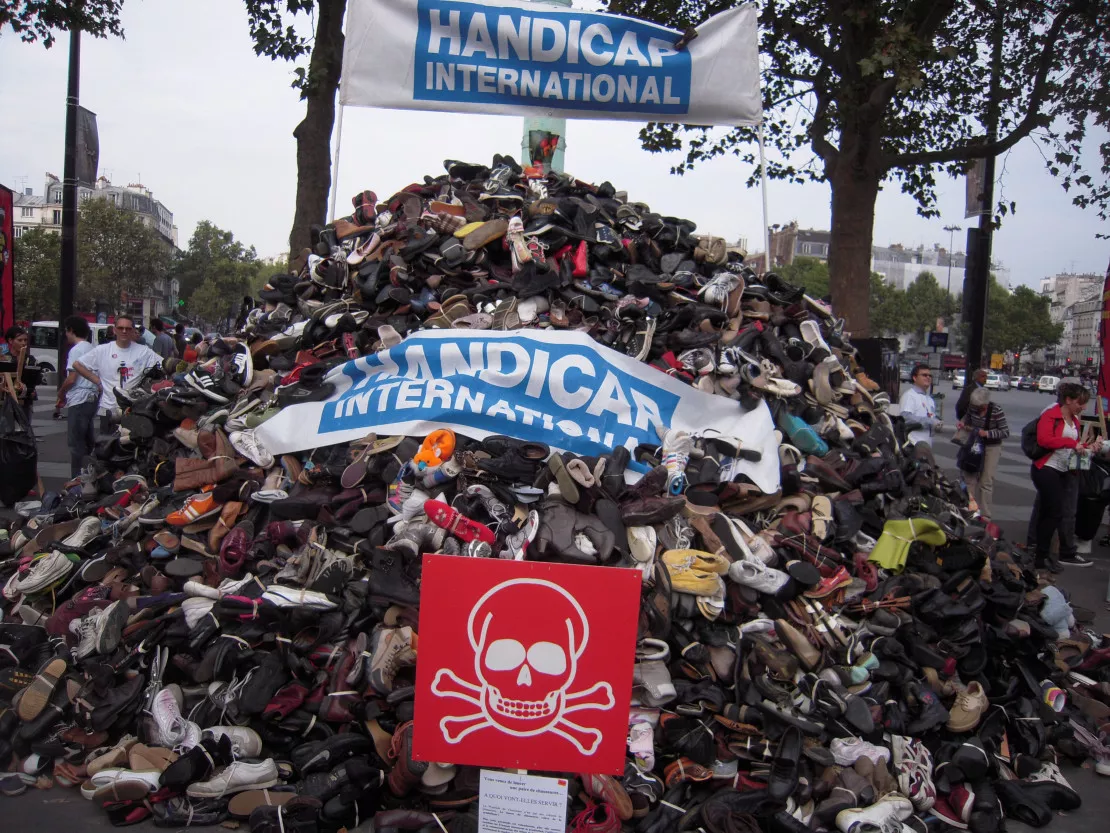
37	695
258	785
243	803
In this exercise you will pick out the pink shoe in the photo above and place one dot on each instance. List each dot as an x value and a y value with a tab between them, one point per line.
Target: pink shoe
457	524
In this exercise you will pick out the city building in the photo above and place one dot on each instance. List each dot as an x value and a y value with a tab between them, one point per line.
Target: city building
1081	331
1075	302
899	265
45	212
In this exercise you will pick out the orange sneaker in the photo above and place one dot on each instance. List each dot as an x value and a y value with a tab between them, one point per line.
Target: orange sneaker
195	508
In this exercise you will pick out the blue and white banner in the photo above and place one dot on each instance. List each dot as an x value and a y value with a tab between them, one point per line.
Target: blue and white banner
557	387
533	59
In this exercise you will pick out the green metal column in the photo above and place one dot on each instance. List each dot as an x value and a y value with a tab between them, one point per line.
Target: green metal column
549	125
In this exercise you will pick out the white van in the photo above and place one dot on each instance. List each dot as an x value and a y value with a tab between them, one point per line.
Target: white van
44	341
1048	384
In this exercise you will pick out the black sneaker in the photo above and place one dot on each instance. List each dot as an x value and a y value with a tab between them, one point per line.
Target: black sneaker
1076	560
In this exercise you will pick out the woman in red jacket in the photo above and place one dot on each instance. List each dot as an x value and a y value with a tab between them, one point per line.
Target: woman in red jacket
1055	475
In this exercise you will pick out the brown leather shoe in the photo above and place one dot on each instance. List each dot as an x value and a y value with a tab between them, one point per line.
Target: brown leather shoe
228	517
796	641
406	773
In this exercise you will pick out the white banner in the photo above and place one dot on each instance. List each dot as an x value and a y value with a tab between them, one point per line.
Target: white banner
560	388
523	58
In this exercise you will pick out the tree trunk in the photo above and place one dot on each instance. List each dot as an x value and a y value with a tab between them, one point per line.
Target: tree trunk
854	191
313	134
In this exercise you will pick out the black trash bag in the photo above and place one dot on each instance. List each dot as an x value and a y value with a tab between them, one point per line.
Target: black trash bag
1095	481
18	453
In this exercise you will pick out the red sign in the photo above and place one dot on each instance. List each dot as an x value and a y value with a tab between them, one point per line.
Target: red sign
525	665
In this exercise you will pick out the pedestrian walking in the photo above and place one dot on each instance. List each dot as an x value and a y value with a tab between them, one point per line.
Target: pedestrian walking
1055	477
986	425
163	342
918	406
78	395
978	381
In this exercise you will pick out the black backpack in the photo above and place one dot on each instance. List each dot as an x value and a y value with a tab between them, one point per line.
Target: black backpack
1029	445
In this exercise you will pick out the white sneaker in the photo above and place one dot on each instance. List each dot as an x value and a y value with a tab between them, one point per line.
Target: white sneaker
886	814
281	596
85	532
171	730
237	777
245	743
248	444
45	571
757	575
846	751
85	631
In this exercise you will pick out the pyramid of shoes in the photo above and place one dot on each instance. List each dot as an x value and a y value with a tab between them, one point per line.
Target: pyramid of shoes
196	631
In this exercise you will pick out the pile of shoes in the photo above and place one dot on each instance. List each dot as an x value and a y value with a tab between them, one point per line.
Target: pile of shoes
197	630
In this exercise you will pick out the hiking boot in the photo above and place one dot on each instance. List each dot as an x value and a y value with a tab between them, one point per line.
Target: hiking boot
968	710
406	773
392	649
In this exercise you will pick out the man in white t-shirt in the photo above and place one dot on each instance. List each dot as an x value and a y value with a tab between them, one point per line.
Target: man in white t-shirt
918	406
119	364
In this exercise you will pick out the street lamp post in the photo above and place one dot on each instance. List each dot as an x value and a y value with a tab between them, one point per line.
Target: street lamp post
948	296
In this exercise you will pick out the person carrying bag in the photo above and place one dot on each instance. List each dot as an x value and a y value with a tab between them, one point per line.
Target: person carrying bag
986	427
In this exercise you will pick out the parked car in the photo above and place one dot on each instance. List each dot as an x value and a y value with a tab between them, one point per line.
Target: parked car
1047	384
44	342
998	381
958	380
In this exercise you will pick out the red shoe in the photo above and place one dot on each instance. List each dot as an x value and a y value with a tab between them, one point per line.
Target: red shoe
596	818
866	571
457	524
831	584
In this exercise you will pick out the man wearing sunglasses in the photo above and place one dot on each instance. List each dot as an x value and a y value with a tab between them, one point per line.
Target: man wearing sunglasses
118	364
918	406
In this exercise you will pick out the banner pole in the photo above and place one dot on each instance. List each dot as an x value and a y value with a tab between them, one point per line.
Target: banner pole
335	164
766	219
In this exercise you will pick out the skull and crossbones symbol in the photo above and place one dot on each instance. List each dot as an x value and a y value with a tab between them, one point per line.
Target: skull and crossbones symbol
527	636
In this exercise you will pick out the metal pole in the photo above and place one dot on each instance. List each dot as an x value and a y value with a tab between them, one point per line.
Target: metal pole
335	164
763	180
68	286
981	279
948	297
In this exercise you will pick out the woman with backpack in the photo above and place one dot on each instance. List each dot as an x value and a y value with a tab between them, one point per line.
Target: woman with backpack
986	425
1055	475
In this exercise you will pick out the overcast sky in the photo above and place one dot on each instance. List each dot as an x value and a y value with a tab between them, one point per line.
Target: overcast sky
185	107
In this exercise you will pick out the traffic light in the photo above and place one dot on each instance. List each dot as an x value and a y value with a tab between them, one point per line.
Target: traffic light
1090	359
181	302
1067	360
1017	357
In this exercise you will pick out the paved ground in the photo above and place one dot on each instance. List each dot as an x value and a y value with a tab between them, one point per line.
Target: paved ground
64	810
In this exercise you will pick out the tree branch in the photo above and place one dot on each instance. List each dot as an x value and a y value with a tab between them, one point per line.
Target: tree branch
1034	118
805	38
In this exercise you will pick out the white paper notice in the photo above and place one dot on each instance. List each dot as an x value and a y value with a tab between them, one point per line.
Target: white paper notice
522	804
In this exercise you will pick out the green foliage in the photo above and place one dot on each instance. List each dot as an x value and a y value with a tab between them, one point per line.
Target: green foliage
215	272
210	250
38	269
274	35
116	255
35	20
912	75
809	272
1018	321
888	307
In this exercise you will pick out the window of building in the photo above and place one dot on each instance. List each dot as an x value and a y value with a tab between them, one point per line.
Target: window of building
18	232
26	212
57	217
